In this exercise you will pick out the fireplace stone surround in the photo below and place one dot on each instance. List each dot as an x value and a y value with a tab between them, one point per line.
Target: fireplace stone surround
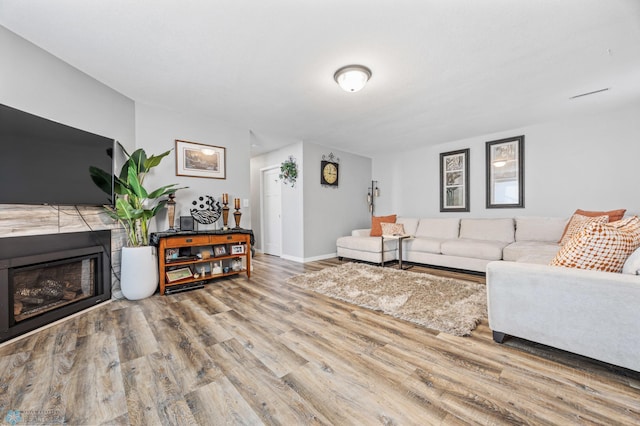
33	220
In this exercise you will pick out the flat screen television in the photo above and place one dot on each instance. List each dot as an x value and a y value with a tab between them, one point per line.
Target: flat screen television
45	162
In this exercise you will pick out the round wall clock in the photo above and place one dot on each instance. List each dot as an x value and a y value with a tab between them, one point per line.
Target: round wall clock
329	173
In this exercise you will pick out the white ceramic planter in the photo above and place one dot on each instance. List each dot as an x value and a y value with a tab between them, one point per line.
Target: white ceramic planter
138	272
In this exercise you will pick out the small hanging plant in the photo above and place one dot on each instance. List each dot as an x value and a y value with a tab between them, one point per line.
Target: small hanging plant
289	171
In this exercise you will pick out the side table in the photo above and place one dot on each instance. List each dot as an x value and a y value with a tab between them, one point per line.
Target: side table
400	239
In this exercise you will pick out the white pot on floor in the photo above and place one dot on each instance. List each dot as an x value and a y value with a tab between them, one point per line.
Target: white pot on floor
138	272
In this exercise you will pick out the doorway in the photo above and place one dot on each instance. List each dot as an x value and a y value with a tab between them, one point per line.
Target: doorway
271	211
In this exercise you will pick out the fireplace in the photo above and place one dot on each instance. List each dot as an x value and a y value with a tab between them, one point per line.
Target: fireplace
47	277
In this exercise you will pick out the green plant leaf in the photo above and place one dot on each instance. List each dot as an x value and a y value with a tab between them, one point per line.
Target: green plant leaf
101	178
132	196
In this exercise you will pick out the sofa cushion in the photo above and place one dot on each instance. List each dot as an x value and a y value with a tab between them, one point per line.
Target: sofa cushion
531	228
632	264
614	215
423	245
361	232
539	259
601	246
487	229
443	228
579	222
480	249
410	224
370	244
376	229
520	251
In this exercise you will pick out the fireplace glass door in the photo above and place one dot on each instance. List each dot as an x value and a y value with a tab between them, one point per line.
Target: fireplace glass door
43	287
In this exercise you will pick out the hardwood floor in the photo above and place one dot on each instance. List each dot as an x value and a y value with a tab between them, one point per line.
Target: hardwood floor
264	352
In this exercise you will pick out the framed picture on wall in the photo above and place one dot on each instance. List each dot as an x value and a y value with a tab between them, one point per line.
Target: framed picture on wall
505	173
454	181
200	160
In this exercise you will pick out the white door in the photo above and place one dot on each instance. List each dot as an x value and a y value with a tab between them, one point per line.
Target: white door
271	212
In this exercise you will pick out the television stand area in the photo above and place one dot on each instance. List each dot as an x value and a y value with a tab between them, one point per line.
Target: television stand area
189	259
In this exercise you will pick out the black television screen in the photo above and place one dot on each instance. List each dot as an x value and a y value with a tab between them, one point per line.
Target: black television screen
44	162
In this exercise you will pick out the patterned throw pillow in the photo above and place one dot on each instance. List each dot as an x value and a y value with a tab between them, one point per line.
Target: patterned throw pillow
601	246
613	216
376	229
577	223
392	228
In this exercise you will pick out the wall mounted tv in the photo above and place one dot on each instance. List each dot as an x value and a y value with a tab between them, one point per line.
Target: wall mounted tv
44	162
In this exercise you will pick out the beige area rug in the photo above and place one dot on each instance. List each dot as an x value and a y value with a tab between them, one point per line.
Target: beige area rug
444	304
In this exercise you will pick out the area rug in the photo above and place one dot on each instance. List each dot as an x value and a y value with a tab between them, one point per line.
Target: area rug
444	304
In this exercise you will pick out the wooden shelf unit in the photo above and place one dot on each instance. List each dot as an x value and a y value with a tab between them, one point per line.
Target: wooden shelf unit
183	242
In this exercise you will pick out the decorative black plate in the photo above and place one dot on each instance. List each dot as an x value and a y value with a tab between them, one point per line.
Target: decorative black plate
206	210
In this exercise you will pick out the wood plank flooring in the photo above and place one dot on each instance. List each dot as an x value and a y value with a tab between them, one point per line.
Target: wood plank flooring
263	352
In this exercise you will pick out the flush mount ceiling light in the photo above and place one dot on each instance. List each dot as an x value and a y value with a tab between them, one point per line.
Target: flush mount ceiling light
352	77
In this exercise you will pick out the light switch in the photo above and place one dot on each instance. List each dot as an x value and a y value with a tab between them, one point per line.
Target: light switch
245	202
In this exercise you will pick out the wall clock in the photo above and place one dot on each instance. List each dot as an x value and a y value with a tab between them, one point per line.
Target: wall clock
329	173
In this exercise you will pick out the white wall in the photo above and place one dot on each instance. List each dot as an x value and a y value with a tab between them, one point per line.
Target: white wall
330	213
589	162
156	132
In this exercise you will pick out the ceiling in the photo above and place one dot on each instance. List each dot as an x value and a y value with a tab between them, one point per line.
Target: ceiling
443	70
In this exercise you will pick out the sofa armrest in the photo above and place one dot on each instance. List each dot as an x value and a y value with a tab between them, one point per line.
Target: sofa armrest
361	232
591	313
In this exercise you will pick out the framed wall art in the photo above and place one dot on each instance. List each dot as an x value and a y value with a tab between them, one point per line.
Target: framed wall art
505	173
200	160
454	181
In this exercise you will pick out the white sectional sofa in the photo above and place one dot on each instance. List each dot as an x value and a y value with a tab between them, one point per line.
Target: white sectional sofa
587	312
461	243
590	313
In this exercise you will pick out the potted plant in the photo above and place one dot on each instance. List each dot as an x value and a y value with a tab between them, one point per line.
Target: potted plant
289	171
134	208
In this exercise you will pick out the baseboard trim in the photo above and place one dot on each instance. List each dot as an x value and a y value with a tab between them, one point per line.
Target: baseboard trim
308	259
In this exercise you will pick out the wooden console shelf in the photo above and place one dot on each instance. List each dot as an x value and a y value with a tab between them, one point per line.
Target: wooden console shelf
196	255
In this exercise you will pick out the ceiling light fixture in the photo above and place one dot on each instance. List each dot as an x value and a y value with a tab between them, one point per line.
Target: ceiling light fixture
352	78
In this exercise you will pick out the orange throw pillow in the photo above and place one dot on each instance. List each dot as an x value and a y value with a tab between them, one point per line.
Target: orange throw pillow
376	228
614	215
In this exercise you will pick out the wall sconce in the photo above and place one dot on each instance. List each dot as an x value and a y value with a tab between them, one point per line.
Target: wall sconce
373	192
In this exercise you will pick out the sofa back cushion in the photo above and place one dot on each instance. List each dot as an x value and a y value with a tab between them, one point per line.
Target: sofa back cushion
410	224
442	228
488	229
531	228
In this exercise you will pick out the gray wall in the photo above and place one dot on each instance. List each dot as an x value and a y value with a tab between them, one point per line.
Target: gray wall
588	162
330	213
313	216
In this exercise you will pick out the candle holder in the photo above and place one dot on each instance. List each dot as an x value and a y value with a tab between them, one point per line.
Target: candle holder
225	217
225	211
236	216
171	211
